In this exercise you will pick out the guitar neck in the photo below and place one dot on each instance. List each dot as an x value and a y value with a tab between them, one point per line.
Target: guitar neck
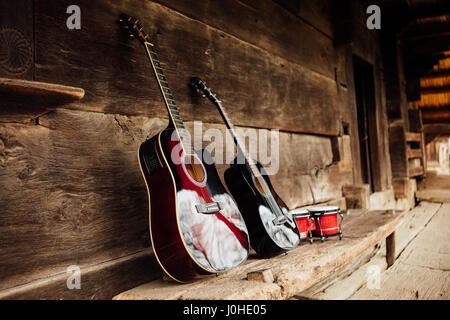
174	115
251	163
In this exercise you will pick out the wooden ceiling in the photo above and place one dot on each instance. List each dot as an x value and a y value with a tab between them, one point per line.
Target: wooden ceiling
423	29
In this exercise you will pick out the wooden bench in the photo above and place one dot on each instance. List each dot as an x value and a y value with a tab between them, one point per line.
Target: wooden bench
283	276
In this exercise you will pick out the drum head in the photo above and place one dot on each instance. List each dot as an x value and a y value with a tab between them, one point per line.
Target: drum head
300	213
324	210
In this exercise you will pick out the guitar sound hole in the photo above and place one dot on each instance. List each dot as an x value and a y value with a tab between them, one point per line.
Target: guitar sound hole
195	168
258	185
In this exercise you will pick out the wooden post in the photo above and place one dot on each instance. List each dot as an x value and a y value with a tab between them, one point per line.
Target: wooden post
390	249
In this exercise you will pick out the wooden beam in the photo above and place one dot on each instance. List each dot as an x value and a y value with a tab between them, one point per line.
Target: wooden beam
436	115
414	153
20	91
414	172
433	90
426	36
437	128
428	10
397	149
413	136
441	74
227	56
415	120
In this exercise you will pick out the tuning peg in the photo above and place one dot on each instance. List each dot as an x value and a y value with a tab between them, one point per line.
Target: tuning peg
131	36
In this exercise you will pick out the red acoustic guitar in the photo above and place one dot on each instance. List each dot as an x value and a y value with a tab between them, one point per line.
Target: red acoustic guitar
195	226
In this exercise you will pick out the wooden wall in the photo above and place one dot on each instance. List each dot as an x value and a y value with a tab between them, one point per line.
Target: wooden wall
71	190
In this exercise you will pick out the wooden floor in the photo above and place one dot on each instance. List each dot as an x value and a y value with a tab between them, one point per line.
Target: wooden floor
292	273
423	269
434	188
345	282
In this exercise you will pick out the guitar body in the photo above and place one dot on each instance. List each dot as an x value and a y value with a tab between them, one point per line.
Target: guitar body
267	239
187	239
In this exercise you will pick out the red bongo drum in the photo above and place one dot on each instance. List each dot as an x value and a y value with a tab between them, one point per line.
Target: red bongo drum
304	224
326	222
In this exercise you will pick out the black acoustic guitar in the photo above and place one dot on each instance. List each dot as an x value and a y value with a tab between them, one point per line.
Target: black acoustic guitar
272	230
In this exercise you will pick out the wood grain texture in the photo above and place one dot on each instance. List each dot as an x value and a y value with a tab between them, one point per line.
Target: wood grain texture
50	93
292	96
100	281
343	284
85	201
305	175
264	24
293	273
23	100
397	148
422	271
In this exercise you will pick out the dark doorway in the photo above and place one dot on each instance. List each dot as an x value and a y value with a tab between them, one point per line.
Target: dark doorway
366	112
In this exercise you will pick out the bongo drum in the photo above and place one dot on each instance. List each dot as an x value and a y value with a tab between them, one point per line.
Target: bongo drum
326	222
304	224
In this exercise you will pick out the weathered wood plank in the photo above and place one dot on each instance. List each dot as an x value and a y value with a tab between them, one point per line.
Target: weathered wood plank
417	171
418	218
404	187
397	148
434	195
23	100
413	136
294	272
415	120
264	24
22	89
431	248
85	198
72	193
343	284
356	196
304	175
229	65
421	272
414	153
101	281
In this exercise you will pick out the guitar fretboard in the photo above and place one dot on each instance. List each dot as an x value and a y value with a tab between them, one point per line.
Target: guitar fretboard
169	100
251	163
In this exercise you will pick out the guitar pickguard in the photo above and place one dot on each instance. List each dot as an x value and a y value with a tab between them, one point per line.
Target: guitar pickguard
208	239
284	236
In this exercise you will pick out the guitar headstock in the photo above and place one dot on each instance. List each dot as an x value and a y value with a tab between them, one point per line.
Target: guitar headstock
200	86
134	27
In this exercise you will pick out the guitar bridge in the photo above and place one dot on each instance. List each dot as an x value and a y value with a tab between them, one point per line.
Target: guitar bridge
208	208
279	220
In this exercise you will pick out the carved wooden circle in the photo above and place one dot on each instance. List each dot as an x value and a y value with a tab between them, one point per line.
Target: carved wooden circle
15	51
